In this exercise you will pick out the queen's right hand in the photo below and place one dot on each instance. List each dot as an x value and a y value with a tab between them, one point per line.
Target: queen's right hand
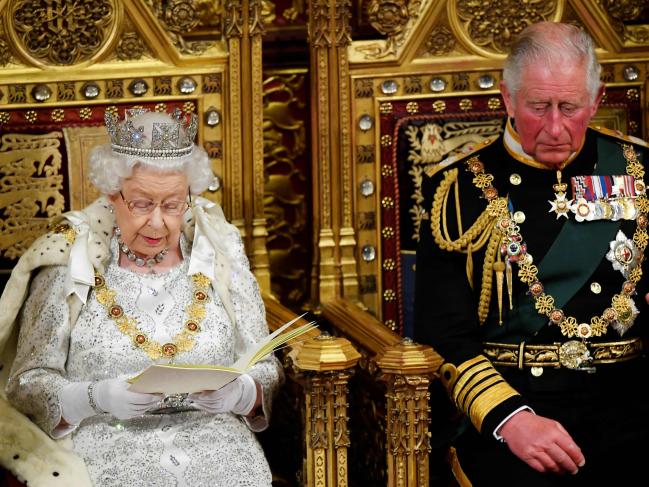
81	400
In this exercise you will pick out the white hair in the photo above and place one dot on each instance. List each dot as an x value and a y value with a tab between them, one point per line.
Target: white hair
110	165
552	43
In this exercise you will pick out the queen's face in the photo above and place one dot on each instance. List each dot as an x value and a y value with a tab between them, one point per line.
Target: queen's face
149	234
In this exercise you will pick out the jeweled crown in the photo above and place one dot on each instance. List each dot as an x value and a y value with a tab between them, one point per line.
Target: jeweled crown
166	140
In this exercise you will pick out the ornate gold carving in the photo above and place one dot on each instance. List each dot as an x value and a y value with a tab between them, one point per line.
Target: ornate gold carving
214	148
233	19
407	428
440	42
412	85
180	15
363	88
388	17
17	94
114	88
31	188
79	142
256	19
61	32
162	86
65	91
623	9
342	27
5	53
637	33
212	83
179	18
460	81
285	201
364	154
326	400
130	47
319	18
492	24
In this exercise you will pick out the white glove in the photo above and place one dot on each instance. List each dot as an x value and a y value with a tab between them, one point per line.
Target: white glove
81	400
238	397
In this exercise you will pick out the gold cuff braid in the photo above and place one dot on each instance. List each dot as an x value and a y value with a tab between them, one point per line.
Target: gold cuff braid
478	388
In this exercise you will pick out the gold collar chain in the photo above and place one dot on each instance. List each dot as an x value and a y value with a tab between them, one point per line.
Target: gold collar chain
181	342
621	309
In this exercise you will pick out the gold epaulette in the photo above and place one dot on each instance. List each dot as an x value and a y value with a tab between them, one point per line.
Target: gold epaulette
476	387
449	161
619	135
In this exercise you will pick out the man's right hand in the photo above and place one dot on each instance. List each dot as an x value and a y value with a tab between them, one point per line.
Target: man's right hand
542	443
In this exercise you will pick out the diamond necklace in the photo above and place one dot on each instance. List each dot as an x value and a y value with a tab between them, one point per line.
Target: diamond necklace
139	261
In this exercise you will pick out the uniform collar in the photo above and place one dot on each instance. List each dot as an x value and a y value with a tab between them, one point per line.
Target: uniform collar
512	143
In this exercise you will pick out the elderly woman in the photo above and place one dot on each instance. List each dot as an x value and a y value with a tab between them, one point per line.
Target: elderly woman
146	274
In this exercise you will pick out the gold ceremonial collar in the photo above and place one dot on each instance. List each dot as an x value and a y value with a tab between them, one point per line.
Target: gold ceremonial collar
513	145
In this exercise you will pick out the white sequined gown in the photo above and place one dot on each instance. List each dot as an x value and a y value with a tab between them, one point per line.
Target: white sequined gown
191	448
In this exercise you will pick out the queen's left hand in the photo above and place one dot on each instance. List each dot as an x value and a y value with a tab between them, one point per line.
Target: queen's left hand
238	397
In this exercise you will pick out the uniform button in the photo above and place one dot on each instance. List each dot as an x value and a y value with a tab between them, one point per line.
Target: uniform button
515	179
519	217
595	287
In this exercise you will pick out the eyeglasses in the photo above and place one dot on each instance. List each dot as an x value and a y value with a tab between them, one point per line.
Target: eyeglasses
141	207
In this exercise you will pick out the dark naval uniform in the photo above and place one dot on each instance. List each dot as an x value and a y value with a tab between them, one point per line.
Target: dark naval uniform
532	290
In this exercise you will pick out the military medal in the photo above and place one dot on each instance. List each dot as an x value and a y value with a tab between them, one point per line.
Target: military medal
560	206
599	197
623	254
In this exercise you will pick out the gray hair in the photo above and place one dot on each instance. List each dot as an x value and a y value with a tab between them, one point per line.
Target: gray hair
108	170
552	42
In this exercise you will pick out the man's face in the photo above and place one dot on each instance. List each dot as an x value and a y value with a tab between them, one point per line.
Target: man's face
551	110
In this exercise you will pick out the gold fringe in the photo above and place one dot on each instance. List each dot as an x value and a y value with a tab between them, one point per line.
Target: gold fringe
481	232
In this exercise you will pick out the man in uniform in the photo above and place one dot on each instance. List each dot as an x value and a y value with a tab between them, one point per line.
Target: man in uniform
530	280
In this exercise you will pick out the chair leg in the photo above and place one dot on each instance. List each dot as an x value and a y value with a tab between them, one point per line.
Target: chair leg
456	468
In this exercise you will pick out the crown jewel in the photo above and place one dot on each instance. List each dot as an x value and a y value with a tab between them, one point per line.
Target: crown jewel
166	140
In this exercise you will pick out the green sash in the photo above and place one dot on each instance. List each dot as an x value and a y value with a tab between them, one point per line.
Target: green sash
564	272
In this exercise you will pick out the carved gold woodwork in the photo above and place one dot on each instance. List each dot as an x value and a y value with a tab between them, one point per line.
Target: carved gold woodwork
61	32
31	188
326	402
491	26
406	369
334	269
79	141
286	167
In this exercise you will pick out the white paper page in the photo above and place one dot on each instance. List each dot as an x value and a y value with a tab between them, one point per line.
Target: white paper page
178	380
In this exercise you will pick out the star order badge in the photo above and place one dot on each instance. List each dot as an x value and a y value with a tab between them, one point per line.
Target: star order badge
560	205
623	254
